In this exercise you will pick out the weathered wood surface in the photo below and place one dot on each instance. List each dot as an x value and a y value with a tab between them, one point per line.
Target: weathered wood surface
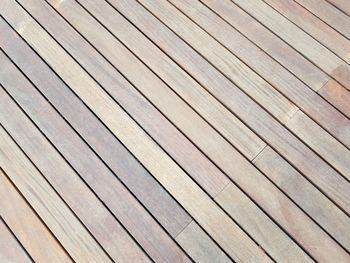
174	131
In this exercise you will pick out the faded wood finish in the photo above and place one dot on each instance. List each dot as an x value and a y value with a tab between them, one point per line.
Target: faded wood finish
10	249
342	5
337	95
129	212
50	207
297	38
312	25
306	99
269	42
33	234
197	203
329	14
261	122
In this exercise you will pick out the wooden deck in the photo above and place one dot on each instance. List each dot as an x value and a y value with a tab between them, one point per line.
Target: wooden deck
175	131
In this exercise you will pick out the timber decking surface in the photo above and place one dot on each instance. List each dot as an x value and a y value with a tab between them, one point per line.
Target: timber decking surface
175	131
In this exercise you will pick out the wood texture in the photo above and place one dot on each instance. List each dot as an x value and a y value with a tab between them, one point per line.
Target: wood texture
342	5
297	38
10	249
33	234
197	203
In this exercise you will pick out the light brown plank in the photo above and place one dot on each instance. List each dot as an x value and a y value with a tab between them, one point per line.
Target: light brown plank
329	14
10	249
298	39
318	139
269	42
53	211
261	122
111	235
313	26
27	226
320	208
307	100
197	203
200	246
342	5
337	95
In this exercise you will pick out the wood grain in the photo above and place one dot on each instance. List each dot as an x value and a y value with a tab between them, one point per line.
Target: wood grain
139	223
329	14
302	42
342	5
27	226
254	116
197	203
269	42
307	100
313	202
53	211
313	26
10	249
337	95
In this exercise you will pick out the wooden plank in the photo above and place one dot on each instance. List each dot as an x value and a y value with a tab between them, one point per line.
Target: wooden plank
343	5
232	239
226	62
27	226
298	39
109	149
313	202
227	124
191	249
329	148
47	204
337	95
256	118
10	249
313	26
177	145
136	219
269	42
329	14
200	245
307	100
256	234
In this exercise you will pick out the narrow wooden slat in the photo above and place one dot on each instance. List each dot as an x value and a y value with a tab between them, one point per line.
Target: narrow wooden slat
275	134
270	43
106	145
298	39
56	215
200	245
10	249
329	14
197	203
310	199
306	99
342	5
225	61
318	139
255	211
313	26
139	223
30	231
337	95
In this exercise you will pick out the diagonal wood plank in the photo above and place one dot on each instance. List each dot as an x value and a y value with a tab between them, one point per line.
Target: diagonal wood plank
312	25
10	249
33	234
46	202
329	14
198	204
302	42
342	5
261	122
141	225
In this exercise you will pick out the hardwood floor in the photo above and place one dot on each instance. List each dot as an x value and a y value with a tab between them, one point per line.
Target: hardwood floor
174	131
